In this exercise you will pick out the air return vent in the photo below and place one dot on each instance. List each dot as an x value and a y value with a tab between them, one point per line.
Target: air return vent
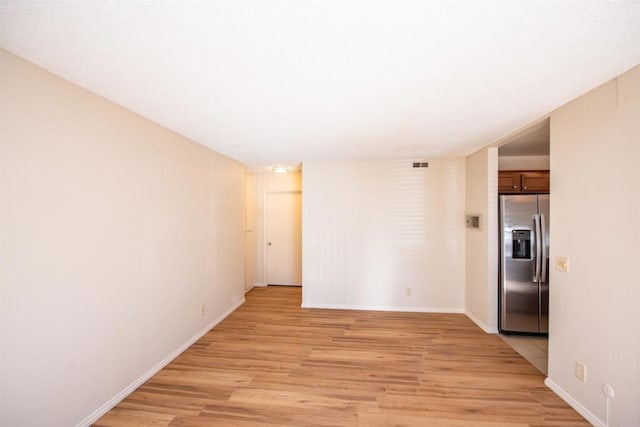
420	164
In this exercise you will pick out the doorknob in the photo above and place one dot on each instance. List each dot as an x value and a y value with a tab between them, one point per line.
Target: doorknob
269	243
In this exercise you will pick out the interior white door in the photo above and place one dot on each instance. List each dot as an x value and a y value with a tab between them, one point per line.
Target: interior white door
284	238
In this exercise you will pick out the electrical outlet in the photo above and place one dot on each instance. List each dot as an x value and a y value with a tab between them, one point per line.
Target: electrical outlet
608	391
203	310
408	291
581	371
562	264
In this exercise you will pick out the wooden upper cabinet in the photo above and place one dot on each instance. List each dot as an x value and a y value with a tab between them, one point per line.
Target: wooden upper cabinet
513	182
508	182
535	182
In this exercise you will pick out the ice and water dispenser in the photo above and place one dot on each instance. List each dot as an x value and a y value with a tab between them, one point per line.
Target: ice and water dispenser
521	244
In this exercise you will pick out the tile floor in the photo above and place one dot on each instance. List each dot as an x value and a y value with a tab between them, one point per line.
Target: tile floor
532	348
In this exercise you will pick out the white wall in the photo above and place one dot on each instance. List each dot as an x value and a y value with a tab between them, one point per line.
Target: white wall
264	183
481	198
372	228
595	212
509	163
114	232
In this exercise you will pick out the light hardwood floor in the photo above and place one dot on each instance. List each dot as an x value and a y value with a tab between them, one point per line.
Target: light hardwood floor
273	363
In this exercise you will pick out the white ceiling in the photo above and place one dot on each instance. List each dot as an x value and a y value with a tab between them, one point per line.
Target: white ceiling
284	81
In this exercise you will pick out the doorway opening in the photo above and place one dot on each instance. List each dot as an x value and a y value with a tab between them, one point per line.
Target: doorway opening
524	176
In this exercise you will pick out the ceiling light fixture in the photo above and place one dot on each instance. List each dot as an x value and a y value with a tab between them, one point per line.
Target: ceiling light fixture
280	169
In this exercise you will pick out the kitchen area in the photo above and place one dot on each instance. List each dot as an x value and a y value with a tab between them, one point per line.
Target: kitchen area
523	288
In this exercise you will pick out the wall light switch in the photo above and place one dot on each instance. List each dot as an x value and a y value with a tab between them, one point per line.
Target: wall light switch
562	264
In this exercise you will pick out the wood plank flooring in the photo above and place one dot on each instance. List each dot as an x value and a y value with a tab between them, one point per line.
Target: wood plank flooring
271	363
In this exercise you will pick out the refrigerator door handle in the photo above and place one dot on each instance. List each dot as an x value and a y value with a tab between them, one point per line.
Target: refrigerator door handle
543	243
536	223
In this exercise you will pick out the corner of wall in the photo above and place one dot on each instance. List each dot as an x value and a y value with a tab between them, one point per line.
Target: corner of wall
481	245
492	238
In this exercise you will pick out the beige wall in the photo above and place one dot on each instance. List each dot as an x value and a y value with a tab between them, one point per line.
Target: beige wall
595	212
250	234
373	228
114	232
506	163
481	198
264	183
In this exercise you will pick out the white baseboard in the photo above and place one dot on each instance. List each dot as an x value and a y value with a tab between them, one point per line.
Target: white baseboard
482	326
260	285
95	415
384	308
248	289
588	415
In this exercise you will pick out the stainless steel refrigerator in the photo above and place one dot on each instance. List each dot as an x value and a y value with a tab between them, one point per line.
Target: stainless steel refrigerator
524	263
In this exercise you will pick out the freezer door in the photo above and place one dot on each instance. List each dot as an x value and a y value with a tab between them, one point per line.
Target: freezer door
543	206
519	290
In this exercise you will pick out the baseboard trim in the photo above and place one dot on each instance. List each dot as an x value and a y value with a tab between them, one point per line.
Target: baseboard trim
107	406
588	415
384	308
482	326
260	285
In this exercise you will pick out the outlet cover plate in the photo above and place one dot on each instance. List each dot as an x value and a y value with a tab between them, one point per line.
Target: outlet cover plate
581	371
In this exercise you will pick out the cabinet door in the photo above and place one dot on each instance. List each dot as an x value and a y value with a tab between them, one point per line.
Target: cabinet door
535	182
508	182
